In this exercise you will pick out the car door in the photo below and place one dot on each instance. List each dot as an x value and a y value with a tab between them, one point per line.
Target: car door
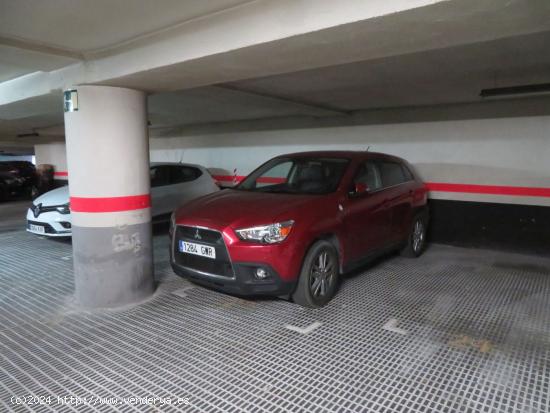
367	219
399	193
160	189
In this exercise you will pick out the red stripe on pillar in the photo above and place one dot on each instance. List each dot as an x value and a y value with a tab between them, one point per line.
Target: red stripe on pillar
61	173
111	204
489	189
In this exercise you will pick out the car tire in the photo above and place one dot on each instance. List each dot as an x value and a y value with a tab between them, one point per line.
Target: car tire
319	276
416	241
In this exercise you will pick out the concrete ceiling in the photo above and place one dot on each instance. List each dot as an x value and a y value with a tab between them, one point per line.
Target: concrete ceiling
15	62
86	26
428	56
37	35
439	25
443	76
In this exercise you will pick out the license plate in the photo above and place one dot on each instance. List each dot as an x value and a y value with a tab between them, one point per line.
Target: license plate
197	249
37	228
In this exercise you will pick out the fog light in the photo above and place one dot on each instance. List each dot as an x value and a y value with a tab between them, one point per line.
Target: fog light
261	274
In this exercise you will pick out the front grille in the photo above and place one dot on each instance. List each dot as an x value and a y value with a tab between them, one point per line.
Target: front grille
47	227
220	266
40	209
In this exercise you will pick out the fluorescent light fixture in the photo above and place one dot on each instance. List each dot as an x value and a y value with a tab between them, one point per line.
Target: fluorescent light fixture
516	90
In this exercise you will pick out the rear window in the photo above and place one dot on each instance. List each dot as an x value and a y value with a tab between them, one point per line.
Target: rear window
180	174
160	176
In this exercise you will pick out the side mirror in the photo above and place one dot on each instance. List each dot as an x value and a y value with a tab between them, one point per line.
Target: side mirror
361	188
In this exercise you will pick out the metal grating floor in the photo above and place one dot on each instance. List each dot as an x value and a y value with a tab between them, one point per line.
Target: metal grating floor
456	330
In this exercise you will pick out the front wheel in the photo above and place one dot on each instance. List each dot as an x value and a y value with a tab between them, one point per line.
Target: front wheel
416	240
318	277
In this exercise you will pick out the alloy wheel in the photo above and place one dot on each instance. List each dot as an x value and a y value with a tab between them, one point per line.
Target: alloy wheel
322	274
418	236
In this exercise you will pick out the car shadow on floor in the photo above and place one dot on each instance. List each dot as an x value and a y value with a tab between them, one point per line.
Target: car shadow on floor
377	261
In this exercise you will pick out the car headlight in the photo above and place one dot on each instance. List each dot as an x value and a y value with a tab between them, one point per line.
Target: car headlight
64	209
268	234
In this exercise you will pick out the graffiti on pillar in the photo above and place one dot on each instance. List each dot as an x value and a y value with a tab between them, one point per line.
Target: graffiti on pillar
126	242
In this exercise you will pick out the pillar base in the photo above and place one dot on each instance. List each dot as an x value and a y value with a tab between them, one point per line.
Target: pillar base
113	266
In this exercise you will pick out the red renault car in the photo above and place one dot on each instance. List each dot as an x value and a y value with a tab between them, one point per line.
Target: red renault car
298	222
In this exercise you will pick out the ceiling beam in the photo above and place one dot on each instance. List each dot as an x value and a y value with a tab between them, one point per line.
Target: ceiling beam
315	106
39	48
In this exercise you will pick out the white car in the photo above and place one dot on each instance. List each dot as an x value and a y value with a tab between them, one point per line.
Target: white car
172	184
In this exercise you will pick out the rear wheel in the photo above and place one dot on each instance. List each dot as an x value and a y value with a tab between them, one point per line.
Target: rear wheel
416	240
318	277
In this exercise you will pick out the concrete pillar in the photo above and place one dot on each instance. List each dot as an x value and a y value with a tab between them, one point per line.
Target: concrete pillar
108	166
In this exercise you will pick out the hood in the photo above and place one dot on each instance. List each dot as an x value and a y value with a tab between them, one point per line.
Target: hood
58	196
241	208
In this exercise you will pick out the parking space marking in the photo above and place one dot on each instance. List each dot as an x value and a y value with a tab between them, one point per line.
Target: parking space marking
181	292
391	325
305	330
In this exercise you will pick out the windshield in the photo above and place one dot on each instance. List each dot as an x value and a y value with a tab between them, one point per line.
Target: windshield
296	175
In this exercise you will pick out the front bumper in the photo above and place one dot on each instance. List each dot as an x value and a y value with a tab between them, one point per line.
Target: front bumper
53	223
228	272
243	283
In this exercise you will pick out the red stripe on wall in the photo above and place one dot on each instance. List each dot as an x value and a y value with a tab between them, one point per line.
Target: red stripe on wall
239	178
111	204
446	187
489	189
271	180
61	173
228	178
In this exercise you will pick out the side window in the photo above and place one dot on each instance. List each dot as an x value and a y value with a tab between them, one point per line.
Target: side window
368	174
407	172
392	174
180	174
276	175
160	176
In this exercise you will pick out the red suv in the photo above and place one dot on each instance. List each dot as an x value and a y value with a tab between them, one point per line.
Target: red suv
299	221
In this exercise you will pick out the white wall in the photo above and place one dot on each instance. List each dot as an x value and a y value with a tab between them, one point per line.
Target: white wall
502	152
54	154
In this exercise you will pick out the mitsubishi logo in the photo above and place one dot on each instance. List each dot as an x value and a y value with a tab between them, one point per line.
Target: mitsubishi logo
36	210
197	235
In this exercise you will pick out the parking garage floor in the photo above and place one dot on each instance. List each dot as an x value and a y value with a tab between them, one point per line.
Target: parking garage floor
455	330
